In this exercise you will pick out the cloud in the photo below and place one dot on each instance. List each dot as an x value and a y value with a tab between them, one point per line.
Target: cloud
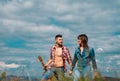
33	20
114	57
118	62
99	50
16	59
12	65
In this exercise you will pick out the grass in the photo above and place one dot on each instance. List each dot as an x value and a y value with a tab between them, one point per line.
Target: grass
3	75
86	78
62	77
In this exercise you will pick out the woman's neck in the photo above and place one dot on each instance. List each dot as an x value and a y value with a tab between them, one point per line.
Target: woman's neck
81	49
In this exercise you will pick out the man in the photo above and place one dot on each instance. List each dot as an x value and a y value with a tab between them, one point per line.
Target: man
83	55
59	54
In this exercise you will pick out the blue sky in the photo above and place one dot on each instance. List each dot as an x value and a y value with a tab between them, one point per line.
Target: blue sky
29	26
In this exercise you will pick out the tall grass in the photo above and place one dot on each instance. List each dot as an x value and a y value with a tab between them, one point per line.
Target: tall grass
3	75
62	77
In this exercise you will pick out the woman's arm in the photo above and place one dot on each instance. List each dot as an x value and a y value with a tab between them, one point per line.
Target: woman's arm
92	56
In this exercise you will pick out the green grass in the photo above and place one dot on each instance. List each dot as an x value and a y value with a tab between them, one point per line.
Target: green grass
62	77
3	75
86	78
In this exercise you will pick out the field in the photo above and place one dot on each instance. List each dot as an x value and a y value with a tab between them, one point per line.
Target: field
3	77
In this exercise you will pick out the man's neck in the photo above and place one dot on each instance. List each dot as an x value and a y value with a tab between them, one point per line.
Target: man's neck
58	46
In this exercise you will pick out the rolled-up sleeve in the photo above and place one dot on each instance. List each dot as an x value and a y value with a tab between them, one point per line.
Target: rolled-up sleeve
74	61
92	57
69	58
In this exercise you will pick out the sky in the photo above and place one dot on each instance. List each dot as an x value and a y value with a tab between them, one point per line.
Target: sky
29	26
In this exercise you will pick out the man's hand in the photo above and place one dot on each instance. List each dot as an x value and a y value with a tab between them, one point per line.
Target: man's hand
70	72
45	68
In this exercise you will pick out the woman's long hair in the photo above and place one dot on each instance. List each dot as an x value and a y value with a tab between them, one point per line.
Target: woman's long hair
84	40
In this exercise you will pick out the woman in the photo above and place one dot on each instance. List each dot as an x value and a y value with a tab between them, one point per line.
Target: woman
82	57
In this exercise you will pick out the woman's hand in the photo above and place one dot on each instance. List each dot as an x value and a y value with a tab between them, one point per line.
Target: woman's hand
96	74
70	72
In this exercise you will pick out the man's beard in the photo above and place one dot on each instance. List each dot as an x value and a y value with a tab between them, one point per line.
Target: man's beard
60	45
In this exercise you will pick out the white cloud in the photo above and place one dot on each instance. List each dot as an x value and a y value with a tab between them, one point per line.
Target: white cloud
99	50
80	17
13	25
28	4
12	65
118	62
15	5
55	6
18	50
16	59
114	57
17	23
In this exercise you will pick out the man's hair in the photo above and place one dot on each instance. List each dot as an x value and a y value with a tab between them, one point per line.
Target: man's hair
58	35
84	40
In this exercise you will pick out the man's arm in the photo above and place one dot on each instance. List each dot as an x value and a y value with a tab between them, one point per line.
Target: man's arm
49	62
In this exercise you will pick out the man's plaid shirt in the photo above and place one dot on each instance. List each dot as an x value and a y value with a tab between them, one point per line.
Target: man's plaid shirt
65	55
